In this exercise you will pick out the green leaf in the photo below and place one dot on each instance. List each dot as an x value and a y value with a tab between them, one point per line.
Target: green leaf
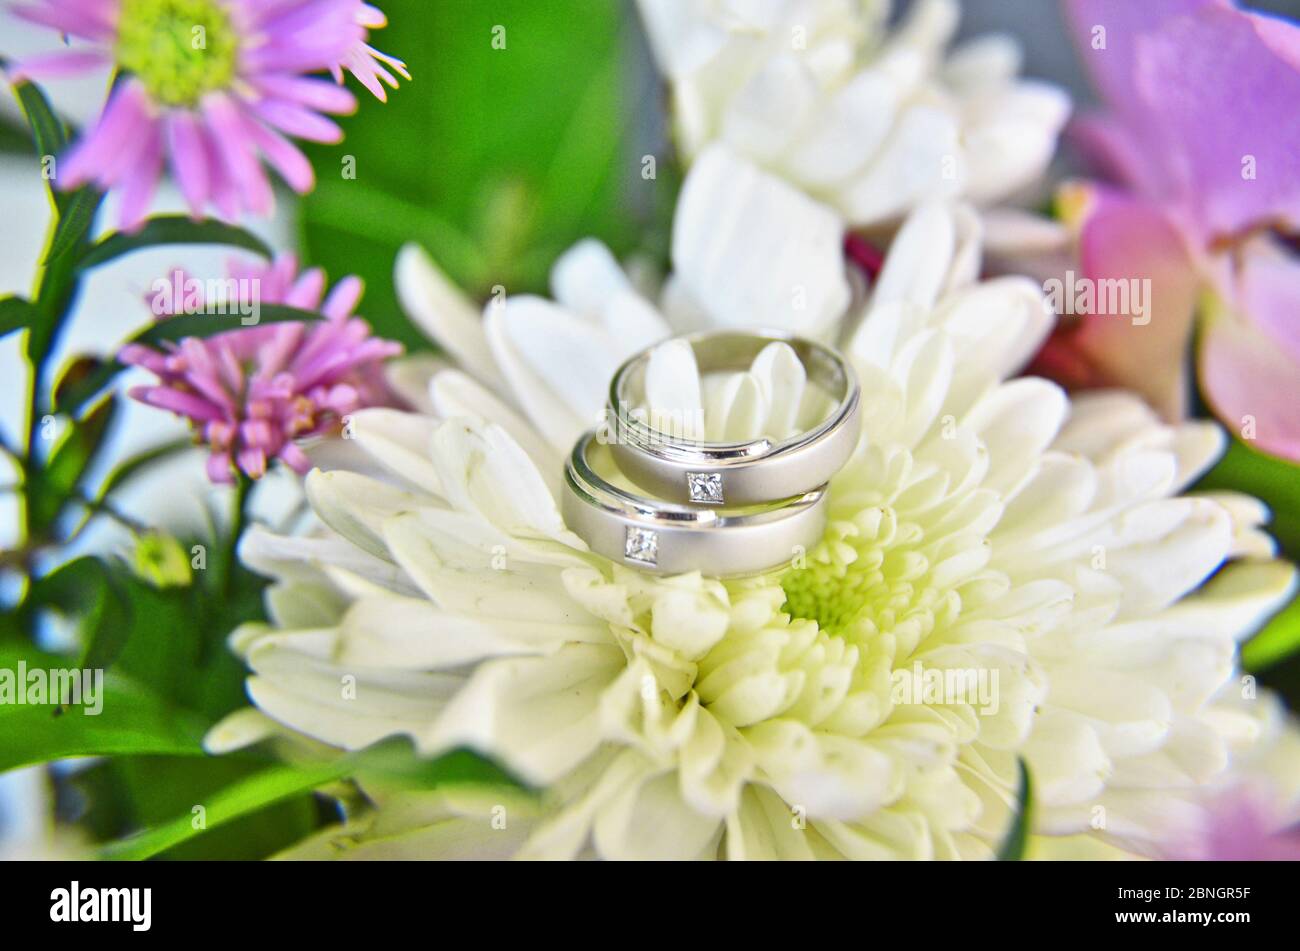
244	797
1278	641
172	229
75	221
132	720
49	134
15	314
85	587
278	783
1017	838
209	325
126	794
59	479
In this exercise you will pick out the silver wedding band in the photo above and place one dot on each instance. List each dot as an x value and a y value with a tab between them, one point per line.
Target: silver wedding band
671	539
723	509
736	473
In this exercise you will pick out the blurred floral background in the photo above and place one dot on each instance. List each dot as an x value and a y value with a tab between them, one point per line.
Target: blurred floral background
495	159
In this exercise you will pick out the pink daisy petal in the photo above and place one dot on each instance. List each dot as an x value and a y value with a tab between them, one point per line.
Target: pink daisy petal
305	294
294	120
284	156
189	160
295	458
89	19
177	401
115	132
58	65
232	147
141	183
219	468
315	94
343	299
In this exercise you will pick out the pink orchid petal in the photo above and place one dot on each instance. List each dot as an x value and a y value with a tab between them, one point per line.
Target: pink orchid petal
1126	239
1207	93
1251	383
1269	294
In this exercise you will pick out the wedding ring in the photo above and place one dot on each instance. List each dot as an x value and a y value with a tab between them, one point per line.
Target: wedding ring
736	473
672	539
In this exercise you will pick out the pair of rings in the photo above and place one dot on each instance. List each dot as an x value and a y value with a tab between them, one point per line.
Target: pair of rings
722	508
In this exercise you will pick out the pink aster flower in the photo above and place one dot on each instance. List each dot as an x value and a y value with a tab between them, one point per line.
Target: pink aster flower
210	87
1201	154
367	63
250	393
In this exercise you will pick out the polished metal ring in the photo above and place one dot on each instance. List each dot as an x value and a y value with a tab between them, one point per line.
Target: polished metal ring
672	539
735	473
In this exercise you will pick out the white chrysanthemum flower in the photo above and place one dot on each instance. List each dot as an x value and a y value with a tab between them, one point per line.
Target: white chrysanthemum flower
986	532
871	121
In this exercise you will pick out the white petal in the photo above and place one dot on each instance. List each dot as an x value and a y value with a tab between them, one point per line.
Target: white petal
781	378
672	390
769	112
409	377
754	252
1010	137
922	159
356	506
452	393
631	826
560	387
483	470
444	312
1017	422
537	714
588	280
737	410
848	131
400	443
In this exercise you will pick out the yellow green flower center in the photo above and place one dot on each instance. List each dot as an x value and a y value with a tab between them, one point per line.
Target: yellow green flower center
180	49
868	575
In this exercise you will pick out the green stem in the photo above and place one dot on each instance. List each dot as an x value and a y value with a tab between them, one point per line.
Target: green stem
238	520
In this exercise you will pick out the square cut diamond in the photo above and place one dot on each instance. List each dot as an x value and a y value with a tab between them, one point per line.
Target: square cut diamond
641	544
705	487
